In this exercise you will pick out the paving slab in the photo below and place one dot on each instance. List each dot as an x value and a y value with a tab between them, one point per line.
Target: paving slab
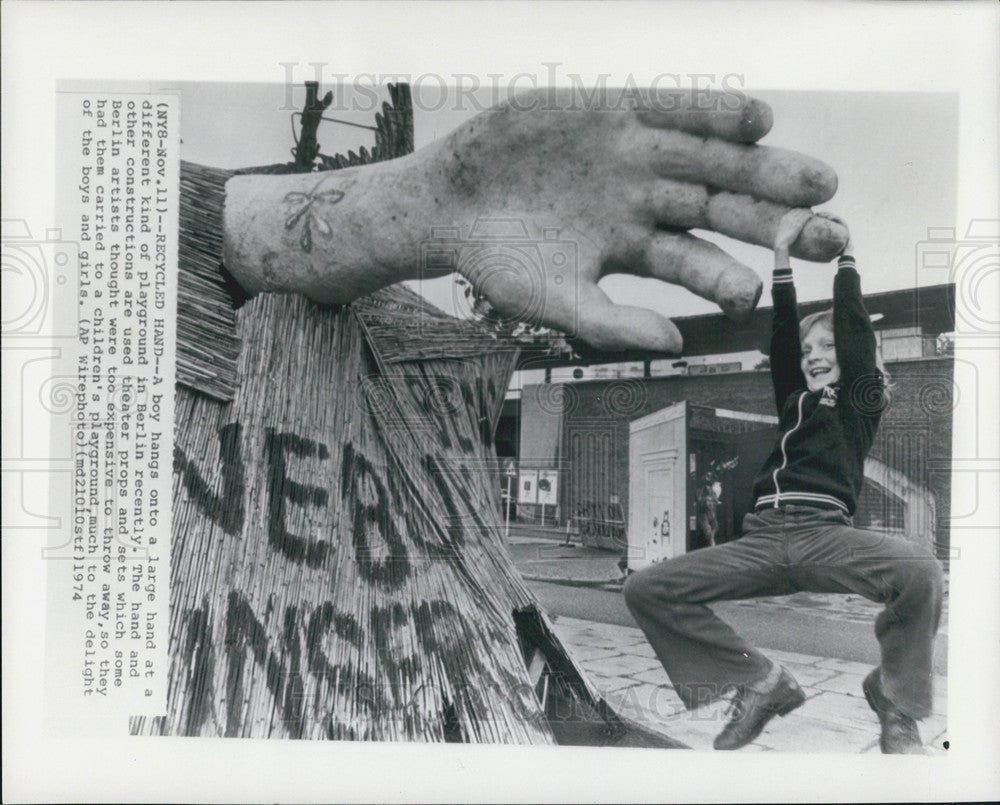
806	734
848	666
607	685
663	701
622	665
696	734
836	708
642	649
848	684
657	676
611	630
583	653
653	704
598	640
782	657
808	675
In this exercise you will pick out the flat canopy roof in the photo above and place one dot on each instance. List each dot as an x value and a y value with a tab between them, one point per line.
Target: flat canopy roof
932	308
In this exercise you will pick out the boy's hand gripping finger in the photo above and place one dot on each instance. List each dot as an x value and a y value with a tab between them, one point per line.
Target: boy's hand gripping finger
790	227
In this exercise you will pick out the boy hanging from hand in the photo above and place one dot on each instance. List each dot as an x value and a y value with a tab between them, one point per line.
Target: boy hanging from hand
800	536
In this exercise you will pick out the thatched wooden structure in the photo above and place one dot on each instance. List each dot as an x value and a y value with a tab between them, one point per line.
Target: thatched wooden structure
338	569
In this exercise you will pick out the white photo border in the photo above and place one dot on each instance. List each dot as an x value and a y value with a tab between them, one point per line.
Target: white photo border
926	47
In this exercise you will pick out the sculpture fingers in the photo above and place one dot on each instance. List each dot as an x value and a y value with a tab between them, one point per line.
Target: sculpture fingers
577	307
701	267
610	327
732	116
775	174
755	221
681	205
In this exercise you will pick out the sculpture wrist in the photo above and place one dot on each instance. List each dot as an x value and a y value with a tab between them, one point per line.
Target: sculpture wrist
333	236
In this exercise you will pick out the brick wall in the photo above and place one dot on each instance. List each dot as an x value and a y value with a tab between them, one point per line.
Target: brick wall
915	434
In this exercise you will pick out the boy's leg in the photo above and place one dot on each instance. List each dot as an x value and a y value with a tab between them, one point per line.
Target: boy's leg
833	556
702	655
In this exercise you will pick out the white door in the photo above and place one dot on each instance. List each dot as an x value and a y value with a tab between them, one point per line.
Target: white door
657	512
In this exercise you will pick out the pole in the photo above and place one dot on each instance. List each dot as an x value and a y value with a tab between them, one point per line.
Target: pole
506	522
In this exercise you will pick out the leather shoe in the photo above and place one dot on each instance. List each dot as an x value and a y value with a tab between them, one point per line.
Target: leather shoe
900	735
752	710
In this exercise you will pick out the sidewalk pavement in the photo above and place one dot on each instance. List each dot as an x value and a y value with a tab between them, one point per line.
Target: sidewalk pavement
622	666
835	717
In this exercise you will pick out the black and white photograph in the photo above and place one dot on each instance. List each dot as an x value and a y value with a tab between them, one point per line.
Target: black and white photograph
505	426
349	558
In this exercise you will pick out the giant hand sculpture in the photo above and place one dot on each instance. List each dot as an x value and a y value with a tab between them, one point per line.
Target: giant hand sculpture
617	179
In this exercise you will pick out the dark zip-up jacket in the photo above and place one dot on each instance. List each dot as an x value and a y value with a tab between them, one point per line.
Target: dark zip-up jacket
825	434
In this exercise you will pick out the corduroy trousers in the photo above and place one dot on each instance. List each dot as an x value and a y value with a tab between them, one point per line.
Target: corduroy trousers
782	551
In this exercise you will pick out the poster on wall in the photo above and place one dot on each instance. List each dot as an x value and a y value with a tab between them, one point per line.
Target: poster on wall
548	487
527	487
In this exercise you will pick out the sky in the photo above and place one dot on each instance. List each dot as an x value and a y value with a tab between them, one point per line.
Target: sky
895	155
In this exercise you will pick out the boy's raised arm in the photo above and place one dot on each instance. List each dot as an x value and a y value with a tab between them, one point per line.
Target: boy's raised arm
786	351
852	329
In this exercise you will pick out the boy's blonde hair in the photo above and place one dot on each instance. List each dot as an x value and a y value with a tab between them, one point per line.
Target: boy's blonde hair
825	319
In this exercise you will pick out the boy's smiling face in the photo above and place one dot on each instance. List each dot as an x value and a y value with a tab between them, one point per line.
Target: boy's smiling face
819	358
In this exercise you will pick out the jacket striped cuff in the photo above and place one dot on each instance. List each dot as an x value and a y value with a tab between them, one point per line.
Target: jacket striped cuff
781	276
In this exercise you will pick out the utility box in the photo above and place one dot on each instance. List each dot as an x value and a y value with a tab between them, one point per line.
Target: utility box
691	471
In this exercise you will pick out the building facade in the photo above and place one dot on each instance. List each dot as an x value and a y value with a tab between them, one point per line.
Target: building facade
580	431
